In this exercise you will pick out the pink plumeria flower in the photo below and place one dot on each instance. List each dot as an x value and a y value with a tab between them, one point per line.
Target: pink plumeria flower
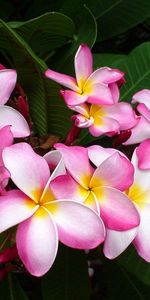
98	188
139	194
99	87
6	139
141	131
43	219
8	115
105	119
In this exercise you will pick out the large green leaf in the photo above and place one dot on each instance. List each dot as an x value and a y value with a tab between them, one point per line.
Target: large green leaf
45	33
113	16
68	278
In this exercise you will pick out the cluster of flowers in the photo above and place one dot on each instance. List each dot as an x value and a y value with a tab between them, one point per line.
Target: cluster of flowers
80	196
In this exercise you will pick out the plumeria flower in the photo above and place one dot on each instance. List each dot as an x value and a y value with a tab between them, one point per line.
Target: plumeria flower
8	115
6	139
105	119
43	219
139	194
98	188
141	131
99	87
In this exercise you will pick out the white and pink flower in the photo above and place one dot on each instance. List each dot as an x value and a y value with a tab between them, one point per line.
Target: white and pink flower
43	219
98	87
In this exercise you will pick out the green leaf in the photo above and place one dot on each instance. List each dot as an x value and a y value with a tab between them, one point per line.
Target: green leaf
121	285
10	289
106	59
133	263
68	278
46	32
113	16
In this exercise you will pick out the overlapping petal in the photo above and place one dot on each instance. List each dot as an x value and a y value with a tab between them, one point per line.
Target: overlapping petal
77	163
72	99
78	226
142	239
105	75
6	139
116	171
140	132
8	79
117	241
116	209
143	154
98	154
103	125
142	96
37	242
29	171
10	116
83	64
98	94
15	207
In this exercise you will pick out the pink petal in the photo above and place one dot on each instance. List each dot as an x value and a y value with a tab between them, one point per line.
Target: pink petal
82	122
78	226
121	112
4	178
6	139
63	79
141	186
83	64
56	163
142	240
10	116
15	207
83	109
74	191
116	171
72	98
116	209
143	154
103	125
114	91
117	241
29	171
98	94
144	111
8	79
98	154
140	132
142	96
106	75
37	242
77	163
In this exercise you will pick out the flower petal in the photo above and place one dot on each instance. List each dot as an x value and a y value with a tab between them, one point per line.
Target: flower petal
77	163
83	64
98	94
15	207
98	154
114	91
6	139
144	111
74	191
142	240
143	154
106	75
29	171
8	79
78	226
117	241
37	242
55	162
140	132
72	98
140	189
63	79
121	112
10	116
117	210
142	96
103	125
116	171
